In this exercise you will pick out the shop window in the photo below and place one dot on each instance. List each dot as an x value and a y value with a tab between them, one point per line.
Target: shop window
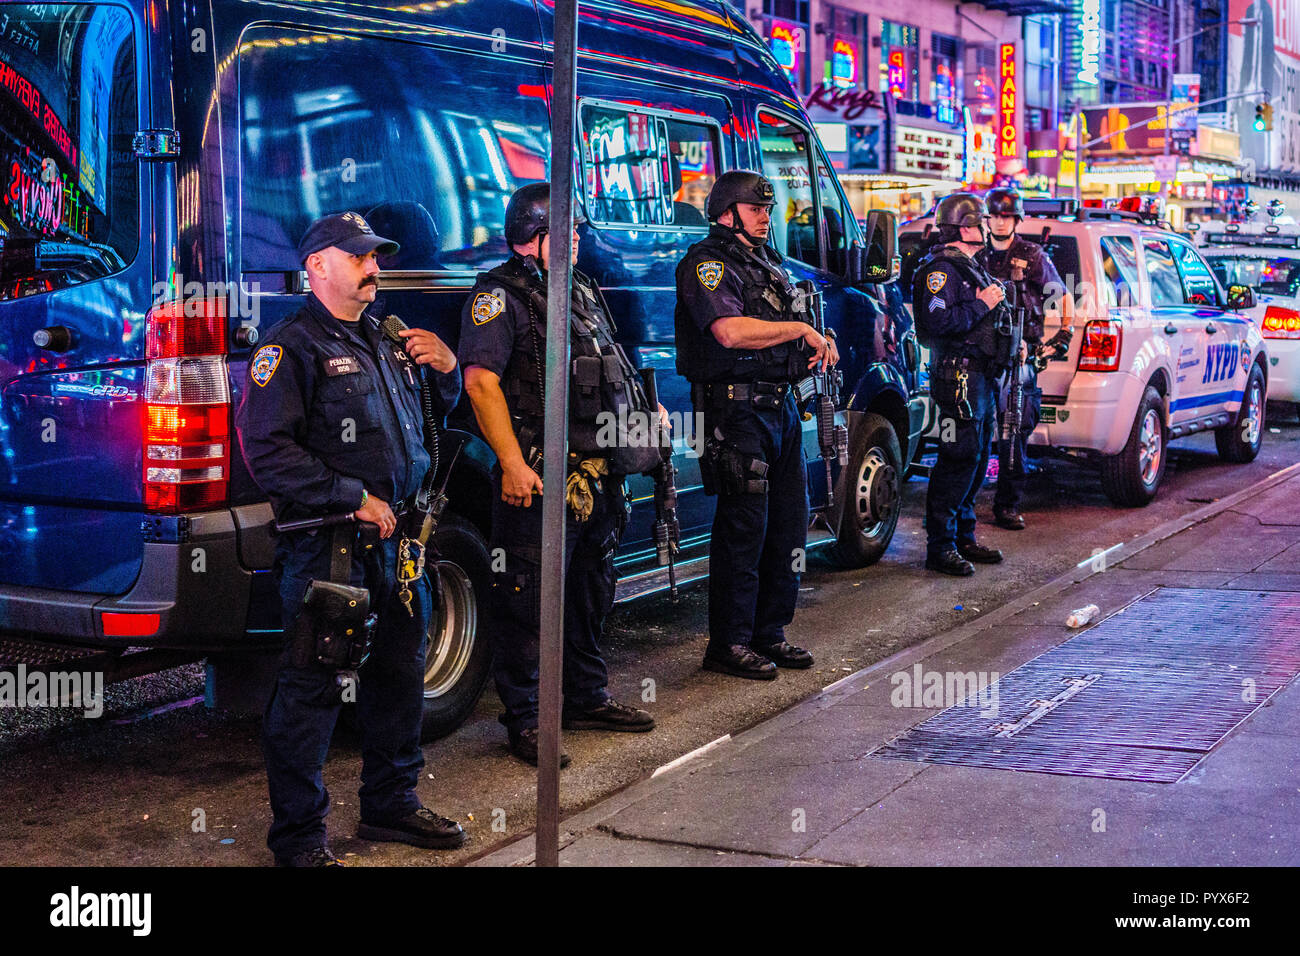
646	169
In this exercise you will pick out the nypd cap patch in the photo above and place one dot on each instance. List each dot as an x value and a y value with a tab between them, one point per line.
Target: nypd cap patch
487	306
264	363
710	274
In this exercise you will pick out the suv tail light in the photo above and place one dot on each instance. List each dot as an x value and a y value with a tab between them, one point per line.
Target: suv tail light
1281	323
1101	345
187	406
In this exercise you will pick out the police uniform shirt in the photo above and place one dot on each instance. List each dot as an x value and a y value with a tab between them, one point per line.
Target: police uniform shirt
944	297
330	408
1027	263
711	285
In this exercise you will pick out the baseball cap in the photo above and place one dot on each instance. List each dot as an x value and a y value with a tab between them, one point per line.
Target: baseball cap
347	230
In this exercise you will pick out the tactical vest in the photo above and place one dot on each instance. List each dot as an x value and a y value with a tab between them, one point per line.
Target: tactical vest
607	400
767	296
990	338
1003	265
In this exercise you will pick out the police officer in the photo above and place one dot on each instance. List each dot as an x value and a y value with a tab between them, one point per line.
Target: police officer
502	347
959	310
330	423
1015	260
742	347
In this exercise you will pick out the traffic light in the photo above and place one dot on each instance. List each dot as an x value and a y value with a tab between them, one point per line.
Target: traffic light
1263	117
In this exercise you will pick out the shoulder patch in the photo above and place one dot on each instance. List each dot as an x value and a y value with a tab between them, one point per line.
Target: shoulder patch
935	280
264	363
710	274
487	306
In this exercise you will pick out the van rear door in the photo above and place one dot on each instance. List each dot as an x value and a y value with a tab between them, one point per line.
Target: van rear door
74	287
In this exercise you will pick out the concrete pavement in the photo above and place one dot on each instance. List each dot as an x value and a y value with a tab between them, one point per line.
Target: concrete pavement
799	789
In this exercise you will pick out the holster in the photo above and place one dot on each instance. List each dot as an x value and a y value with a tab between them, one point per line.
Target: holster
730	471
949	384
335	627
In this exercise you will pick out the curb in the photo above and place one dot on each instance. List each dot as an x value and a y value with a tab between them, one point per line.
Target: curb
521	851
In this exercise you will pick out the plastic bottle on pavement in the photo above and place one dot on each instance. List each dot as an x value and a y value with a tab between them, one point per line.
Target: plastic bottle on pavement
1082	616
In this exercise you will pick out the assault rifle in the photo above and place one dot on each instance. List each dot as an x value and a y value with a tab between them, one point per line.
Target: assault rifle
832	439
667	531
1013	418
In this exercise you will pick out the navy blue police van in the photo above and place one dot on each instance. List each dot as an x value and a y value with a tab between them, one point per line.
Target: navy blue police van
163	159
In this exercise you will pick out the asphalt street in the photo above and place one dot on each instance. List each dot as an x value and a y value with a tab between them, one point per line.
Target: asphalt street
158	779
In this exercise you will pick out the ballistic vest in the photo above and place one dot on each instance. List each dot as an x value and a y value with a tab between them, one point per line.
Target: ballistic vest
768	296
1013	265
990	338
601	378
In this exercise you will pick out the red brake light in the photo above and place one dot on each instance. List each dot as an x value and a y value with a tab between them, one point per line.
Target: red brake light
1280	323
1100	349
186	427
186	327
130	625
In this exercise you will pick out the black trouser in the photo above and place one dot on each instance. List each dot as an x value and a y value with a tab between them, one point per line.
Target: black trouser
959	471
589	548
1011	480
758	538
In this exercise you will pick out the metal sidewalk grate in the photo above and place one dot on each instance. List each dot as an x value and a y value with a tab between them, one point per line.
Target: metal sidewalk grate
1143	695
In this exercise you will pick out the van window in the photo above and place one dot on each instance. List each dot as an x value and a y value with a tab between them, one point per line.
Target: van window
1119	261
429	163
841	227
786	163
70	206
1166	286
646	168
1198	282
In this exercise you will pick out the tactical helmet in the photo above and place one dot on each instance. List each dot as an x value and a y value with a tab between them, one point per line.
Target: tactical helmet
1005	202
529	213
738	185
960	209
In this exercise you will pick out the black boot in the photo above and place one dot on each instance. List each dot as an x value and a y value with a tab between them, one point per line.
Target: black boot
949	562
978	553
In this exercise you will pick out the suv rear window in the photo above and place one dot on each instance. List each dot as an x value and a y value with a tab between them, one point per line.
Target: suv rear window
70	193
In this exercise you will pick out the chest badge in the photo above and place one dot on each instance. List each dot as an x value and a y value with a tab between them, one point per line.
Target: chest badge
264	363
710	274
935	280
487	307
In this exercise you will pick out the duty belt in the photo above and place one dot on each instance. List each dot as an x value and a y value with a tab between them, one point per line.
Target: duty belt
742	391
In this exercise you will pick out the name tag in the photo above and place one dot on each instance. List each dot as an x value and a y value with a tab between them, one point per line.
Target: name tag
342	365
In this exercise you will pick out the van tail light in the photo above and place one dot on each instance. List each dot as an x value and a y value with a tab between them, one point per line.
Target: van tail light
1281	323
1101	345
186	424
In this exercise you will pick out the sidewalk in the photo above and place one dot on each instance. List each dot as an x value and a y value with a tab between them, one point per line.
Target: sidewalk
799	789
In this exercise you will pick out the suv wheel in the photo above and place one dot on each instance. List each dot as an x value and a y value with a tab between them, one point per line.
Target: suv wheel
873	485
459	658
1130	479
1240	441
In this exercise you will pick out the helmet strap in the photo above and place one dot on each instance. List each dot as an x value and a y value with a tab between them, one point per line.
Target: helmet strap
737	229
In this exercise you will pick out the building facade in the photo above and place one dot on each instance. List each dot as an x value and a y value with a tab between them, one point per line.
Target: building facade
914	101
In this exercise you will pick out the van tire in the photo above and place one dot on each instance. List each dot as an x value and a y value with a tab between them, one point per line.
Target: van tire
1130	479
873	483
459	658
1232	440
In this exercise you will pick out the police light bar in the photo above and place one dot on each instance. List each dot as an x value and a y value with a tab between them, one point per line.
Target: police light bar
1054	208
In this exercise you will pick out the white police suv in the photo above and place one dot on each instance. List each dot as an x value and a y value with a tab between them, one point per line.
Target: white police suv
1266	258
1161	349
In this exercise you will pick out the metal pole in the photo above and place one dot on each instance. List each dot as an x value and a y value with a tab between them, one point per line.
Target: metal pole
1079	147
559	278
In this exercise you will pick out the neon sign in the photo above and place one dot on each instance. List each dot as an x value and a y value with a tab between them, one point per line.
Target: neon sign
785	47
897	74
844	64
1089	41
1008	142
945	104
46	204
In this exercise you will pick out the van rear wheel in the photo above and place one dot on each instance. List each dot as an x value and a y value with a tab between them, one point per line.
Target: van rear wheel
1130	479
458	661
872	489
